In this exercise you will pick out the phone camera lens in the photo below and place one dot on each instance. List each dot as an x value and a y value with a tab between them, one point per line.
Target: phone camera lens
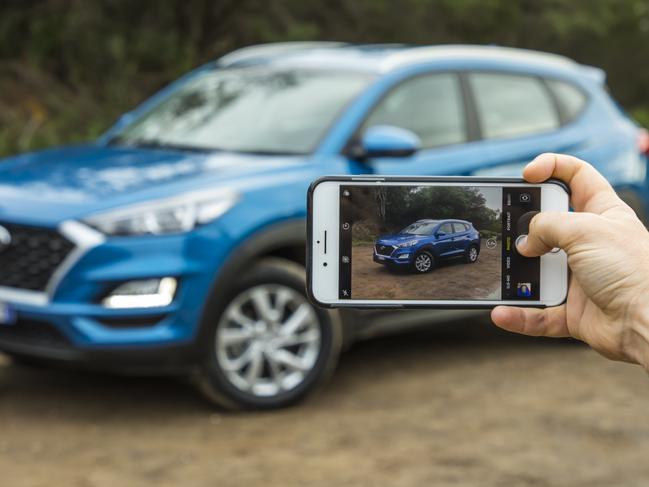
525	198
324	264
345	226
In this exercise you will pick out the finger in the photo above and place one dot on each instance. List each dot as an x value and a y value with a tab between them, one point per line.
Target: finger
550	229
590	190
549	322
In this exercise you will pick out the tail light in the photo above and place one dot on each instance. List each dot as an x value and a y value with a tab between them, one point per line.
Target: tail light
643	141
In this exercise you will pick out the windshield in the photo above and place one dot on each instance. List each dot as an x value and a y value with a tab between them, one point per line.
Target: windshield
423	228
257	110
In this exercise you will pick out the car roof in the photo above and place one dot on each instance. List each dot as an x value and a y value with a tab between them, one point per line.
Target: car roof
443	220
384	58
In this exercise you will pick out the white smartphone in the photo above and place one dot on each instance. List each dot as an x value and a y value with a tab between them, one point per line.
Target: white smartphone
408	242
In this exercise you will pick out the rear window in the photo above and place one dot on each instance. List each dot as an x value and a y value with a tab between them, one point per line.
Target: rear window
460	227
511	105
571	99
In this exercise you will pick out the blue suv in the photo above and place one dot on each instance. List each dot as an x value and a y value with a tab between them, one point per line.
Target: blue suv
421	245
176	241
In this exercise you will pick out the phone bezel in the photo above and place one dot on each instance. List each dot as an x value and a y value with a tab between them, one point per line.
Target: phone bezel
323	214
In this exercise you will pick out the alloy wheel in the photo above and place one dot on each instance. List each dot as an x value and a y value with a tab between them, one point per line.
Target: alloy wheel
268	340
473	254
423	262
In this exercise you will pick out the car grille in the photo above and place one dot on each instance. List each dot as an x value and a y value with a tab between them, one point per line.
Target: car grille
32	257
384	249
33	332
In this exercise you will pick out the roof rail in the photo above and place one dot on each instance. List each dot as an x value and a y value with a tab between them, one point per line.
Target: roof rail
272	49
459	51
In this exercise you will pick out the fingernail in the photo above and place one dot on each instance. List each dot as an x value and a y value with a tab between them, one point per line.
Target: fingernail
521	241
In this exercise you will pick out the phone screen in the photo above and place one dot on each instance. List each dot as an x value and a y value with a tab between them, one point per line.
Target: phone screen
435	242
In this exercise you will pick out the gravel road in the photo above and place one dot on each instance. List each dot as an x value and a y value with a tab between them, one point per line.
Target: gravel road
460	405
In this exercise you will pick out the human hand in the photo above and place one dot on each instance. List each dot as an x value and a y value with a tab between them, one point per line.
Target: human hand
608	253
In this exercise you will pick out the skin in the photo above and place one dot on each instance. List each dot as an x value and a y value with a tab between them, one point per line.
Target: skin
608	255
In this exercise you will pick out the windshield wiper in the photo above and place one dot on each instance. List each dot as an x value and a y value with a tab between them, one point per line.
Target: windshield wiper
159	144
270	152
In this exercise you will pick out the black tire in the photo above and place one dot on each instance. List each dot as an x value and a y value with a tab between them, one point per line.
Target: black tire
220	386
423	262
471	254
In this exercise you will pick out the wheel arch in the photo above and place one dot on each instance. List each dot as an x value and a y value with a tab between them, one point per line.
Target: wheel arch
430	248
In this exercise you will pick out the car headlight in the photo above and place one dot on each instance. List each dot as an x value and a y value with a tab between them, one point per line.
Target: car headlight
170	215
409	243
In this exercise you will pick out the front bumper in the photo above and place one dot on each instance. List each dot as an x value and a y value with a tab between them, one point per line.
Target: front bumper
399	257
72	324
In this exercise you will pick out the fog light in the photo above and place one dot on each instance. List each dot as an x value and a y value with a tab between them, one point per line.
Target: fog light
403	256
147	293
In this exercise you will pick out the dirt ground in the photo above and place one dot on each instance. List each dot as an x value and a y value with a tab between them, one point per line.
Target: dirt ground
453	279
460	405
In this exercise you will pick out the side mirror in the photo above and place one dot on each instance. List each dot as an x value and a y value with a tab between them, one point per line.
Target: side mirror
440	234
387	141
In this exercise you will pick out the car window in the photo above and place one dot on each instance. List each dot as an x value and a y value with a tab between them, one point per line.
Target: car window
446	228
510	105
419	228
430	106
459	227
571	98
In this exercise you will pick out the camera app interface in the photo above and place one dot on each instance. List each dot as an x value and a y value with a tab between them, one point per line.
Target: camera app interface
440	242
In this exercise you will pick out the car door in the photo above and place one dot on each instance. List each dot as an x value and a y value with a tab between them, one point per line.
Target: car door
444	240
460	238
432	106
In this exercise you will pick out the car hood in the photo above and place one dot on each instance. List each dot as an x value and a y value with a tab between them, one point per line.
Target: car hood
55	185
398	238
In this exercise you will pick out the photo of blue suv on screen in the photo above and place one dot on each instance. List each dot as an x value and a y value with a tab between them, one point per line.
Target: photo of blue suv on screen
423	243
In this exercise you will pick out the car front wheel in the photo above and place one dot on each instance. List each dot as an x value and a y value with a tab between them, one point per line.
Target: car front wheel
423	262
269	346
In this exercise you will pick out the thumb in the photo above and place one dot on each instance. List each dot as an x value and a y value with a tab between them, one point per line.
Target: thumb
554	229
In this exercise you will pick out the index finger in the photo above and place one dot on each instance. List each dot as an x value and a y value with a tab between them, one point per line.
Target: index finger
591	192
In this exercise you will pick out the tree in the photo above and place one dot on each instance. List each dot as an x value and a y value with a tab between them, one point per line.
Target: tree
405	205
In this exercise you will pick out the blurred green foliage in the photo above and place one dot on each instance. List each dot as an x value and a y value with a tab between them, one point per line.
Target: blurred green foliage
68	68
